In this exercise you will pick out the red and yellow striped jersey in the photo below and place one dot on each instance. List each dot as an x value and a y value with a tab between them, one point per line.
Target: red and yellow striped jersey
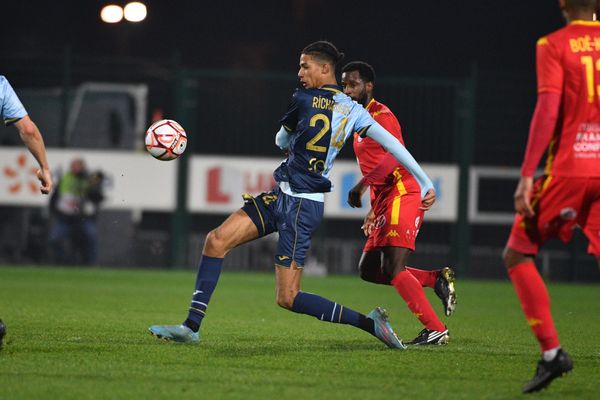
568	63
369	153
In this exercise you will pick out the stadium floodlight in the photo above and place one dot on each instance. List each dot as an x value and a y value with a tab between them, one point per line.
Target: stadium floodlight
111	14
135	11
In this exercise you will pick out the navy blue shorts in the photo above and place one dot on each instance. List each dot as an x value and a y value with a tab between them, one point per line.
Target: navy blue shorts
294	218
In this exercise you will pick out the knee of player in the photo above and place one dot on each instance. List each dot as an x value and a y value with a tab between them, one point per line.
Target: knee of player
507	257
215	243
285	298
512	257
364	273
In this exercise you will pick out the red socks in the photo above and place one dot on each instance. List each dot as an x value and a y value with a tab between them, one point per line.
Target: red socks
535	301
425	278
413	294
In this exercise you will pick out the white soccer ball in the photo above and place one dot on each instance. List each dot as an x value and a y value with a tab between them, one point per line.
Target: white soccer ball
166	140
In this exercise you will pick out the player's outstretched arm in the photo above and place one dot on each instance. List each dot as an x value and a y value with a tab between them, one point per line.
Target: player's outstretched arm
31	136
400	153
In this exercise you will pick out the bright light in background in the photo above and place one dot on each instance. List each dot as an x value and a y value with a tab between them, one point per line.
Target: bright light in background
135	12
111	14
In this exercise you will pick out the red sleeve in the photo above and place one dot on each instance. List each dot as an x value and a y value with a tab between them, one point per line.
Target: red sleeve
548	67
388	163
381	170
390	123
541	129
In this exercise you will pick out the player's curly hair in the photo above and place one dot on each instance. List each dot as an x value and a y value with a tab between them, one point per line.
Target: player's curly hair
366	72
324	51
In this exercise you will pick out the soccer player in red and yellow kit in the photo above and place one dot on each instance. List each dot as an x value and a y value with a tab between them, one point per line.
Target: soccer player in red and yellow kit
396	215
566	121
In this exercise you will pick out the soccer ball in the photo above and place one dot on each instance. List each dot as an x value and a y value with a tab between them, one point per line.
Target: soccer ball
166	140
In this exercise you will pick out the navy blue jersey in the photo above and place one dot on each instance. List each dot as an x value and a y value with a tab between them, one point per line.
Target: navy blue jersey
319	122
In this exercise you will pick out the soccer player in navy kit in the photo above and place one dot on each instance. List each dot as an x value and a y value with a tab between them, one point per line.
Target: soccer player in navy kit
319	120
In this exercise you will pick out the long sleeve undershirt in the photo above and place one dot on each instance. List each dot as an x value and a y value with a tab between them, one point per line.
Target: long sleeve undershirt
543	124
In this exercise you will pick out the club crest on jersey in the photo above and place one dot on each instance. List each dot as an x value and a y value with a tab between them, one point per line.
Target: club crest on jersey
379	222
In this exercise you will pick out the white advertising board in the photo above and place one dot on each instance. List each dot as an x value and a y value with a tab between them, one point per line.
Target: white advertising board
133	180
216	183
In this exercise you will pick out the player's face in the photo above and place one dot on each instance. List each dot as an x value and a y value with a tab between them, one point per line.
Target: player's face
355	87
310	72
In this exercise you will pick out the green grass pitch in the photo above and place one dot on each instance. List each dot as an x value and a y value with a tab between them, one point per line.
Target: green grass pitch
82	334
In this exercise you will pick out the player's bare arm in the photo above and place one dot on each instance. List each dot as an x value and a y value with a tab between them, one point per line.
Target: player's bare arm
355	194
31	136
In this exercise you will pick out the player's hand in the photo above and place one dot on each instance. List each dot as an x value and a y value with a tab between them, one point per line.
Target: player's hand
522	196
45	178
355	194
428	200
369	223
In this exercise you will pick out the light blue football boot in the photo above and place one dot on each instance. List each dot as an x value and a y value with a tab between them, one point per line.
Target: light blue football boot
383	329
175	333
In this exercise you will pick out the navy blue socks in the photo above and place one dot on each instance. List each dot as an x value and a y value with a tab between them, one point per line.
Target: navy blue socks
209	270
327	310
304	303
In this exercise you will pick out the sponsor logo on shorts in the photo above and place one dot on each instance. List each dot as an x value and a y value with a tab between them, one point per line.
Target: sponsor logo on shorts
281	258
568	213
392	233
417	220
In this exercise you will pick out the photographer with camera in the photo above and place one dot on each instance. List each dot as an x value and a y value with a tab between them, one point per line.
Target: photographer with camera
74	206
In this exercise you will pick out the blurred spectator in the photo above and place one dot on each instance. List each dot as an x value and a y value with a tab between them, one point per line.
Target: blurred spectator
74	206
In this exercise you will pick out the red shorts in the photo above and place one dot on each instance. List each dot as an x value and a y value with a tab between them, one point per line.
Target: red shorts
560	204
397	218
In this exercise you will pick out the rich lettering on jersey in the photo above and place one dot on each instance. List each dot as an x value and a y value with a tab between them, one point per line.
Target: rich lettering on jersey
322	103
584	44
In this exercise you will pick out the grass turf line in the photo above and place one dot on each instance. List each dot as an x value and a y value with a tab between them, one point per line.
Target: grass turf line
82	334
